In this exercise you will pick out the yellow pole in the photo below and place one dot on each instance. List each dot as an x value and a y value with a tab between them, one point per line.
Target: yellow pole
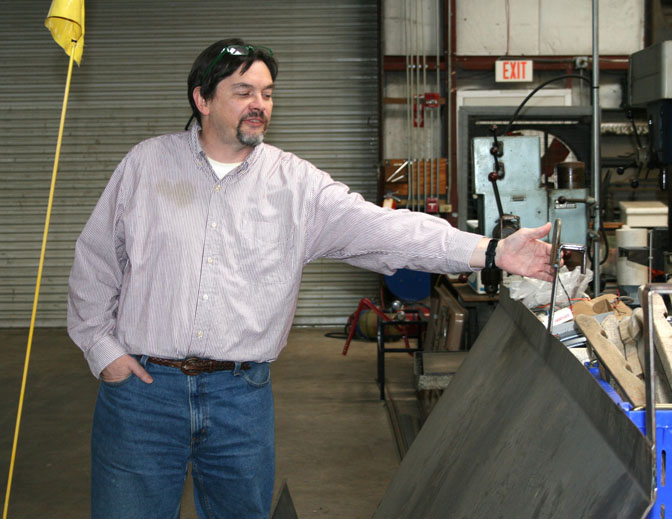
38	282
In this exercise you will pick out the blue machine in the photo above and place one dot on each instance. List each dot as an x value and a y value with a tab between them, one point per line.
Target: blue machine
409	286
521	190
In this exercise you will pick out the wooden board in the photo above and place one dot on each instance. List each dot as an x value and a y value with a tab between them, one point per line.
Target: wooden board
611	358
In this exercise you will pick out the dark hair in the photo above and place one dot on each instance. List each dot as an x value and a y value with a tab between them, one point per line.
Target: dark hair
226	66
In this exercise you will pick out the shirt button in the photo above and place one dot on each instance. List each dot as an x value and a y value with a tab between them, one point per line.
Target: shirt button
217	187
199	334
213	225
210	261
205	297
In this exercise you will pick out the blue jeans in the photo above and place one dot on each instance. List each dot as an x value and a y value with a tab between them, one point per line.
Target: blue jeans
144	436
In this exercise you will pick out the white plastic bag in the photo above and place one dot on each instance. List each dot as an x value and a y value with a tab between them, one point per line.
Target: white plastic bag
535	292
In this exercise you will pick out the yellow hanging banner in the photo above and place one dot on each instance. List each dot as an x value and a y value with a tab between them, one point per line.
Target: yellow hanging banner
66	23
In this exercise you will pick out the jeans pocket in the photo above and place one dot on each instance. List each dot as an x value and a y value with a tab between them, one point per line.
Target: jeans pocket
119	383
258	375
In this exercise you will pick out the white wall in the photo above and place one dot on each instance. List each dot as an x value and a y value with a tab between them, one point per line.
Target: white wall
410	26
547	27
521	27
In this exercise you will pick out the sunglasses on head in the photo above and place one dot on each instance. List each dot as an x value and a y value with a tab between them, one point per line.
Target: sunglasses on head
234	50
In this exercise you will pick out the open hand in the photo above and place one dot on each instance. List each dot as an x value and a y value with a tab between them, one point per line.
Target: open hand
524	253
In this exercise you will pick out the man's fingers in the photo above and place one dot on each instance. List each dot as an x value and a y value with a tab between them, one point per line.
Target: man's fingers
122	368
540	232
140	372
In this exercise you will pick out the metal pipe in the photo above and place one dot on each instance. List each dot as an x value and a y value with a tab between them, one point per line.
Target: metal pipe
436	153
596	149
416	98
449	107
646	298
556	277
554	290
429	135
422	129
409	106
577	248
429	128
411	129
393	177
650	238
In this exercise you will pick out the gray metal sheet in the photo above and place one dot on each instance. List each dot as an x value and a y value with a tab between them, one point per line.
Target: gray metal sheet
522	430
284	506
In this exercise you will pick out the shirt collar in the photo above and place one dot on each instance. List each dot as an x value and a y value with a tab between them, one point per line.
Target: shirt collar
200	154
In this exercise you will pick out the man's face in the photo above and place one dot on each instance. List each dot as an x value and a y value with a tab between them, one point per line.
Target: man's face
240	111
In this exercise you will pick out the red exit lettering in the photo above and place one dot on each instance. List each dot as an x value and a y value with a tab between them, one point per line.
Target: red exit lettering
514	69
518	70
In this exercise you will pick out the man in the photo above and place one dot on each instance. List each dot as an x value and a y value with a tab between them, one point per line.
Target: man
185	282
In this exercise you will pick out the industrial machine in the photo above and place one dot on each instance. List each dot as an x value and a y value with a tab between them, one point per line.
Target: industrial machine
645	245
518	196
650	84
512	192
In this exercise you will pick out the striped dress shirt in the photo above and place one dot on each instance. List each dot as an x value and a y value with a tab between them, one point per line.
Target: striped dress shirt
175	263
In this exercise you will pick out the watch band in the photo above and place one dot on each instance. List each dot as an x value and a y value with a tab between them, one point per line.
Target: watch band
490	254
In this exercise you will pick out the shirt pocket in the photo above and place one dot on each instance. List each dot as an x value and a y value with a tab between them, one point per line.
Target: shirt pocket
267	253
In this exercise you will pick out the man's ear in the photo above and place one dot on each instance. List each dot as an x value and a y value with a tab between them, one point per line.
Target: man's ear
201	103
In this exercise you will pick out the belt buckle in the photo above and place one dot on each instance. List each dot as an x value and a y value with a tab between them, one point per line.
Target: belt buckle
189	366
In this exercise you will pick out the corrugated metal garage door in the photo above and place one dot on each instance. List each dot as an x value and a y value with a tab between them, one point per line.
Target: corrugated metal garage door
132	85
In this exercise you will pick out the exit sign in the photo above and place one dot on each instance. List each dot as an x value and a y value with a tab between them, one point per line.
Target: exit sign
513	70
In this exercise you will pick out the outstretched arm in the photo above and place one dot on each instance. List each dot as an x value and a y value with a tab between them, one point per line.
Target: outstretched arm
521	253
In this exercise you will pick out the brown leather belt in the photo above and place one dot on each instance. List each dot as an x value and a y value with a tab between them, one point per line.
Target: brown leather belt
194	365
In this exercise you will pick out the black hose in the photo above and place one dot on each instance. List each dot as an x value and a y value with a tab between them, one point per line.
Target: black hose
545	83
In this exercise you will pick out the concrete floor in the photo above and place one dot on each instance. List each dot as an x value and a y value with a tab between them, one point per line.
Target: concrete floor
335	445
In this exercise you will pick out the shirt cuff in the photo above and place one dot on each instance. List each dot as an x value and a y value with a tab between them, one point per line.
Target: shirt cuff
466	243
102	353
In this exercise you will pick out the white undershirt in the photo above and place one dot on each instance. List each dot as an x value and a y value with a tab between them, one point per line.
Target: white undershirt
221	168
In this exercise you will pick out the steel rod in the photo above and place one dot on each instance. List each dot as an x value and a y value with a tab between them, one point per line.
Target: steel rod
596	149
646	298
416	98
449	81
422	126
409	106
556	277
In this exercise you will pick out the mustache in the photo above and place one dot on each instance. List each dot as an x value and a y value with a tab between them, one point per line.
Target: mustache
255	114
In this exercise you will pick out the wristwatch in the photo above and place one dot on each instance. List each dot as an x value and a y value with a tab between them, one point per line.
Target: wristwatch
490	254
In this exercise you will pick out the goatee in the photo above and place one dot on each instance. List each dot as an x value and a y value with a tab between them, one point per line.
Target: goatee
251	139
